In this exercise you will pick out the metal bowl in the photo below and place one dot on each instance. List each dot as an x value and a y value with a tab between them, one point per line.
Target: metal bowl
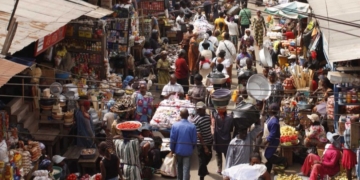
304	106
218	80
258	87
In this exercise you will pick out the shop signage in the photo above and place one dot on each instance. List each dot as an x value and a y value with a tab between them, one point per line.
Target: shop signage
44	43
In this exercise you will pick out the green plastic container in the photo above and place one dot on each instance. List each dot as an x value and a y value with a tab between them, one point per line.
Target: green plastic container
57	172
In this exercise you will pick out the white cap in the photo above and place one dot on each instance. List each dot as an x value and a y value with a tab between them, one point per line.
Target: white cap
57	159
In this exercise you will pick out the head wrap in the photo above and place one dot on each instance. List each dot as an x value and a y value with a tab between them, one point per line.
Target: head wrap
126	81
42	146
86	104
45	163
142	83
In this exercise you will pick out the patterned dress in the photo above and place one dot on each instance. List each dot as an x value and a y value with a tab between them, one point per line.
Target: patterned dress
259	23
163	75
129	155
143	106
193	53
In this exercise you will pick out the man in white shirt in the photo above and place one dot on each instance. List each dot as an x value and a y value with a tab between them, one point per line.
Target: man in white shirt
212	39
233	30
172	88
180	22
228	47
199	15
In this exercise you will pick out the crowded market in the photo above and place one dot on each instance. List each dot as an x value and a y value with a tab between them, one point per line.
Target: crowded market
105	90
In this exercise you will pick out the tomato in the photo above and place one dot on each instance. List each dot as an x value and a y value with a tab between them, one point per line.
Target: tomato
128	125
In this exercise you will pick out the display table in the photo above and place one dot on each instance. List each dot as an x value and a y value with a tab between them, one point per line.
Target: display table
50	138
287	152
88	163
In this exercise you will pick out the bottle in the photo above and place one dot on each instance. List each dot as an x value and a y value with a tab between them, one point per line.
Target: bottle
348	97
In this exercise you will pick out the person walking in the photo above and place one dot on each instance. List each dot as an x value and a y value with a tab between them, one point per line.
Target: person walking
109	164
183	139
233	30
259	23
271	138
182	70
221	127
193	53
245	19
202	122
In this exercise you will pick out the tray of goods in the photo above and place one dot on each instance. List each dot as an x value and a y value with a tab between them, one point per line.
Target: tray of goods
88	153
128	126
288	136
123	104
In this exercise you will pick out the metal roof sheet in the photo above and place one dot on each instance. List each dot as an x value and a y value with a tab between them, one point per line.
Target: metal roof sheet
38	18
8	69
343	40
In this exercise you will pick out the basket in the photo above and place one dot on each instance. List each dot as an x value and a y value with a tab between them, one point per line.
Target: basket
57	175
221	101
88	156
57	117
123	111
287	152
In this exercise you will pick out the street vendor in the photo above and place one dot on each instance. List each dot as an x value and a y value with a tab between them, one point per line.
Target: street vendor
172	88
315	134
85	127
143	101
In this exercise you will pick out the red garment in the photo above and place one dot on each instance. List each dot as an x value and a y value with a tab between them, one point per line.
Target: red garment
289	35
348	160
329	166
181	69
314	85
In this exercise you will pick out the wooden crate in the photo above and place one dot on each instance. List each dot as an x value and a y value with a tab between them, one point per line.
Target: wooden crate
287	152
171	34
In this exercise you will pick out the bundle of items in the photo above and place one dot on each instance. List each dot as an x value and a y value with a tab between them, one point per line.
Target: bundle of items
330	107
202	25
41	175
34	149
26	162
288	136
302	78
123	104
168	112
57	113
69	118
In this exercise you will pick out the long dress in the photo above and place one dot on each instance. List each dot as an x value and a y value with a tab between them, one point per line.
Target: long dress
259	30
83	130
193	53
163	75
143	106
129	155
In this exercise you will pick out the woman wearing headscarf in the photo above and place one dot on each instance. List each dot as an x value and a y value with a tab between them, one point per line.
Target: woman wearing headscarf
143	101
193	53
128	151
46	164
85	127
206	40
204	68
127	82
259	23
246	36
163	66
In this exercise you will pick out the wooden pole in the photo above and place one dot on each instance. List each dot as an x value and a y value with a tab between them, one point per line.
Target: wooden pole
10	36
12	14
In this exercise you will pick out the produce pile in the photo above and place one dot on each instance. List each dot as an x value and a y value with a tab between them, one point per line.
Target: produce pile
129	125
288	177
168	112
72	177
34	148
123	103
288	136
342	176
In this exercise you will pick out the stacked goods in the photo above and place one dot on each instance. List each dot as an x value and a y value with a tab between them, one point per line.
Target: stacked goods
288	84
330	107
41	175
57	113
26	162
68	118
122	104
34	149
302	78
342	176
288	136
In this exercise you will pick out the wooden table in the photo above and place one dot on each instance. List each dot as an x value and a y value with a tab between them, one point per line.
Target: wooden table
50	138
73	153
88	163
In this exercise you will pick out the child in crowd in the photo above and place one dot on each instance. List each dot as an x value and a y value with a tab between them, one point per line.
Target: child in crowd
154	155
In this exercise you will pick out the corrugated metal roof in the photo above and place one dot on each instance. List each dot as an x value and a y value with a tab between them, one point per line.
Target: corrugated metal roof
8	69
341	46
38	18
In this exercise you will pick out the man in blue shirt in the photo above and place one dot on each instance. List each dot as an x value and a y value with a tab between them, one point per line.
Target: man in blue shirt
183	139
271	138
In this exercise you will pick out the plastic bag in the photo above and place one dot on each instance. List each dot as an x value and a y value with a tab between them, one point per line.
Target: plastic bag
168	168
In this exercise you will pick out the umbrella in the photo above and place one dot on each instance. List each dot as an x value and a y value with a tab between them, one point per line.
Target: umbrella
292	10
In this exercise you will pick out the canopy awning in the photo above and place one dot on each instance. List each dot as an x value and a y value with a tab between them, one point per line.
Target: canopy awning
341	42
292	10
8	69
36	18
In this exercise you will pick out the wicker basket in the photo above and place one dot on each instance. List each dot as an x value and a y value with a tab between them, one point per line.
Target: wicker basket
287	152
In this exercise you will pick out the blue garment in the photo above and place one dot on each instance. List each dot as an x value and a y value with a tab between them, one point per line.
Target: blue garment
126	81
274	136
83	131
183	167
183	138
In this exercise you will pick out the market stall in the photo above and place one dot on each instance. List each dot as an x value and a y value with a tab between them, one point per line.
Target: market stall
168	113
